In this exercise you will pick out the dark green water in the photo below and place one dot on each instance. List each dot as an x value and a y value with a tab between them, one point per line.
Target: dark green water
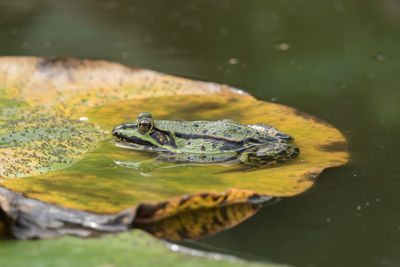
337	60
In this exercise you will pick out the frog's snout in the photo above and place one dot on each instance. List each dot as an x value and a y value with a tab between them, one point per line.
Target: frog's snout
115	131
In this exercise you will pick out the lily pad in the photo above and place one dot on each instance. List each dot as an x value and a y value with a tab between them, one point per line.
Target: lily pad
111	180
134	248
32	219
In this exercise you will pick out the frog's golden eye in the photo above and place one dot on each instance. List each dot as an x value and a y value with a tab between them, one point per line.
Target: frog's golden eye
144	115
145	125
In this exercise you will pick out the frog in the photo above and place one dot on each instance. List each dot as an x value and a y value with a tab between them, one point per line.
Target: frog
203	141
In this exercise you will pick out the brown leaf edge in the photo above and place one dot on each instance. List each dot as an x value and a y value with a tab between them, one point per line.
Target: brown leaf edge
29	218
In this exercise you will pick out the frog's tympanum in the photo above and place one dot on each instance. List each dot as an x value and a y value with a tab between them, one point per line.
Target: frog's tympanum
207	141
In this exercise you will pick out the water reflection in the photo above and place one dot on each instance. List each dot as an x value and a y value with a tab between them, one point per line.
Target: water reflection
200	223
2	230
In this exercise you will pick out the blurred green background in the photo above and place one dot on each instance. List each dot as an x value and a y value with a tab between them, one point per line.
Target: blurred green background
337	60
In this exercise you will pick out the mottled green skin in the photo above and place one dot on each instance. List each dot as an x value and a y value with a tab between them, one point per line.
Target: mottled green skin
209	141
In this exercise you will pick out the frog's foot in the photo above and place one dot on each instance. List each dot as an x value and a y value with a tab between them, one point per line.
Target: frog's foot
269	155
270	130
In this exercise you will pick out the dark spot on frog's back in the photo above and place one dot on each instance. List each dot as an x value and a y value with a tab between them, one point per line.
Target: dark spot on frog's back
214	144
340	146
203	148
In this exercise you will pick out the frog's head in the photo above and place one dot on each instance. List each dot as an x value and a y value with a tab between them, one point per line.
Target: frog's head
141	134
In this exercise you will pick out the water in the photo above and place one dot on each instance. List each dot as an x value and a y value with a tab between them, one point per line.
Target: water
337	60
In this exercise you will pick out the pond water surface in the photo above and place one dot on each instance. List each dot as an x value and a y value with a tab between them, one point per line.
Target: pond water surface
337	60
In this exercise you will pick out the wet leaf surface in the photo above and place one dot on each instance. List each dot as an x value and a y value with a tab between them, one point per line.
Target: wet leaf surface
95	176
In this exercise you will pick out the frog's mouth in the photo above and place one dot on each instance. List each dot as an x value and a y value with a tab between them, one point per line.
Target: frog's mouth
132	140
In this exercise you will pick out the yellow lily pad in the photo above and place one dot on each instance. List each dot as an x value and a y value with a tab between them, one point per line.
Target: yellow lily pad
109	179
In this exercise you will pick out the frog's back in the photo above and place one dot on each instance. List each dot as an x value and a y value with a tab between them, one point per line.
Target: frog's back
226	129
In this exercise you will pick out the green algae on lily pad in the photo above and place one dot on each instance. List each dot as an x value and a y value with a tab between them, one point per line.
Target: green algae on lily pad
95	96
35	141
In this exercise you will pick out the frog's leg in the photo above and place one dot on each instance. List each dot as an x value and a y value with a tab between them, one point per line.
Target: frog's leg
270	130
270	154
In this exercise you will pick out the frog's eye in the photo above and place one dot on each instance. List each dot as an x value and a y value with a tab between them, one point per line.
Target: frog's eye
144	115
145	125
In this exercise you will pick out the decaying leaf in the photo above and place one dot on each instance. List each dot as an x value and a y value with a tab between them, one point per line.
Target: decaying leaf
96	177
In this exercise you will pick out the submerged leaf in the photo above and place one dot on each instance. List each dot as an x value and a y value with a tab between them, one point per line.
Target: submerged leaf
134	248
